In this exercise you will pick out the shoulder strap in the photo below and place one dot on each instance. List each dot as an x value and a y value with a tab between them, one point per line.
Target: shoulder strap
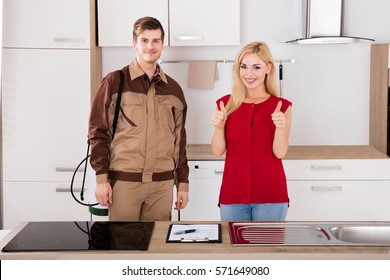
118	103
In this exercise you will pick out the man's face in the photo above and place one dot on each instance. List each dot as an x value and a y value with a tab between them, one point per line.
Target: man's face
149	45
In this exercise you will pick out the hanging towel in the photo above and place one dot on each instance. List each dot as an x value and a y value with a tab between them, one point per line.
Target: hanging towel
202	74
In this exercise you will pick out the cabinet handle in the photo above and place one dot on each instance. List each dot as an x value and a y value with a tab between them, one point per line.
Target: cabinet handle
67	189
326	189
69	169
188	38
218	172
68	40
326	167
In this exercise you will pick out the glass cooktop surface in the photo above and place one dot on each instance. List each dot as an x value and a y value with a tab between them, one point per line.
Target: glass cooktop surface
68	236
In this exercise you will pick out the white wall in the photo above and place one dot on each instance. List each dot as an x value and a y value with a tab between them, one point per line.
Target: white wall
328	84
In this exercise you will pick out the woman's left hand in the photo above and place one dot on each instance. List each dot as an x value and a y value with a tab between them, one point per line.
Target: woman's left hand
278	116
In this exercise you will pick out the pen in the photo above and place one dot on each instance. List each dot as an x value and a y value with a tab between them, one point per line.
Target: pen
185	231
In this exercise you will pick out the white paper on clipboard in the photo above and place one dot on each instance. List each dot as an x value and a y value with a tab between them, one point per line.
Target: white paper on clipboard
194	233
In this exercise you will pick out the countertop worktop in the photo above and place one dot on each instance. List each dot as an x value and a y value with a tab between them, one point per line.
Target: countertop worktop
203	152
159	249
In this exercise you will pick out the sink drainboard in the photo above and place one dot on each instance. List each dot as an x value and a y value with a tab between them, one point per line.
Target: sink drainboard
292	235
280	233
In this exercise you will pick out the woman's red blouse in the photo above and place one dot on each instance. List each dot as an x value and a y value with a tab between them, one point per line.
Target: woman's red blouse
252	173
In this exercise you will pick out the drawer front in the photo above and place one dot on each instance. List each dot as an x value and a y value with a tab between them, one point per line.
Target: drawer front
339	201
375	169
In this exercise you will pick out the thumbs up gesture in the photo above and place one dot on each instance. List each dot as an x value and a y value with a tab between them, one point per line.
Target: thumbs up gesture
278	116
219	117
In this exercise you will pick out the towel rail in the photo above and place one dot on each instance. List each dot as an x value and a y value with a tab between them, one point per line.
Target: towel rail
187	61
220	61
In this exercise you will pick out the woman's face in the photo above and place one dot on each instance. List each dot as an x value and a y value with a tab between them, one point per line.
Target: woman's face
253	71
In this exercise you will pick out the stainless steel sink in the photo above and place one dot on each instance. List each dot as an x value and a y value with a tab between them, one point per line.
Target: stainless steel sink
362	234
309	233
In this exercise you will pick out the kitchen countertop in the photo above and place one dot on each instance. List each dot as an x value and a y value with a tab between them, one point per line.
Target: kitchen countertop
159	249
203	152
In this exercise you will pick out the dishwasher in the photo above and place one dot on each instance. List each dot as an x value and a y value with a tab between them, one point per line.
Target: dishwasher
205	180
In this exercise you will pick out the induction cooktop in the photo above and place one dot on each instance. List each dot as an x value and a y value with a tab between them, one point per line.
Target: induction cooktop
75	236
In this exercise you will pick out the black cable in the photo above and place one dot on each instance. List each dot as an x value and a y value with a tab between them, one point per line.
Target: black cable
85	172
81	229
82	187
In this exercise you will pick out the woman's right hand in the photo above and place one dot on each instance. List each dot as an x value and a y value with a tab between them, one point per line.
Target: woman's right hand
219	117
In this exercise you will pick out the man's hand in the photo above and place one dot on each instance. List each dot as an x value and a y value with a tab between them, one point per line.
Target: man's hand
182	200
103	194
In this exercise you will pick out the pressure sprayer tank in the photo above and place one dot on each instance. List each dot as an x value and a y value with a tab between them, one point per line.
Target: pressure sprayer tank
96	210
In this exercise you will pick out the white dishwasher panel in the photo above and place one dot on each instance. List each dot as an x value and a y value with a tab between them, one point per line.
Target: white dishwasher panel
205	182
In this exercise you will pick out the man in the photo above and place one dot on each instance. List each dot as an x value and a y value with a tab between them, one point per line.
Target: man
137	168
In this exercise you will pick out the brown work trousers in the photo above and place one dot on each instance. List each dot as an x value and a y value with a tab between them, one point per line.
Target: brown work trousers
137	201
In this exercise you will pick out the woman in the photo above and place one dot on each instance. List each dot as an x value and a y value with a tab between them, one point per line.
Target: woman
253	125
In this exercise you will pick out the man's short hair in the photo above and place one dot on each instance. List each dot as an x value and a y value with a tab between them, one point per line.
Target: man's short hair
147	23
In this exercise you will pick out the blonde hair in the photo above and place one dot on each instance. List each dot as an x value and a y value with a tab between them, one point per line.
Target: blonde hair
239	90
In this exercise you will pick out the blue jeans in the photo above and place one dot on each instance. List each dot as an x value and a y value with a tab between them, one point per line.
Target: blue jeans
254	212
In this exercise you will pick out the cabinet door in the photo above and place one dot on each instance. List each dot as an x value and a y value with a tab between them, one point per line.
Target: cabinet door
339	201
45	113
116	19
46	24
204	22
40	201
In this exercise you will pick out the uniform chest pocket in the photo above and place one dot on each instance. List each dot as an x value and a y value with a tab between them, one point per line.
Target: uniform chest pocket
166	115
132	113
170	111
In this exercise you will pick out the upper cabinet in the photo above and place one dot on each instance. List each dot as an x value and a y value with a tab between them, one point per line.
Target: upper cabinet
116	19
186	22
64	24
204	22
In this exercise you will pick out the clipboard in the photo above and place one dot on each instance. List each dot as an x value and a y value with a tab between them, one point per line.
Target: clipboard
194	233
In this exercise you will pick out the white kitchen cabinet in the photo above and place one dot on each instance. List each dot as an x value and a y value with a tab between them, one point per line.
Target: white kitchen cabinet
191	22
339	201
45	118
204	22
46	24
40	201
45	113
205	181
319	190
338	169
116	19
46	86
338	190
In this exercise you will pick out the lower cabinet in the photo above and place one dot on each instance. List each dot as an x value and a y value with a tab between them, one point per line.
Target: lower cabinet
319	190
338	190
40	201
339	201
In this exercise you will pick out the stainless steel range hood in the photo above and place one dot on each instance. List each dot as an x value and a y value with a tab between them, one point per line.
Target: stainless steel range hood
323	23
